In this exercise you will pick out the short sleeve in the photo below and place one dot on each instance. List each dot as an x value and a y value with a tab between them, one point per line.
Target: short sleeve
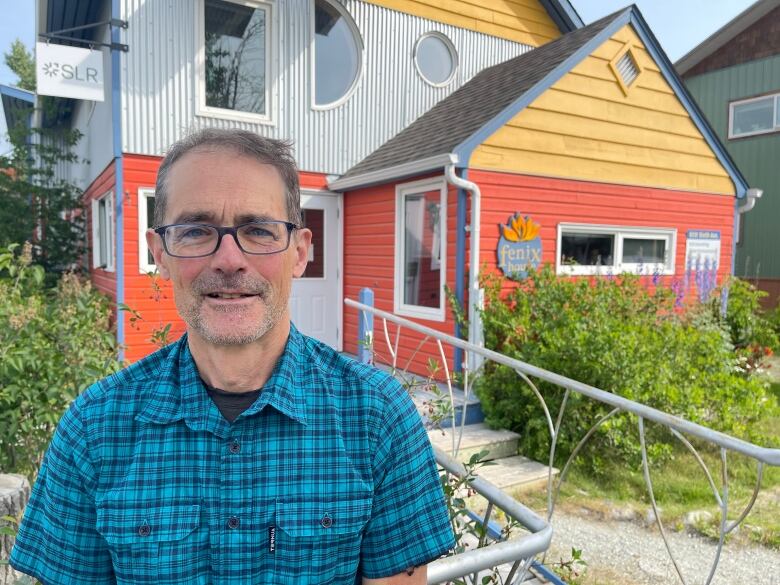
57	541
409	523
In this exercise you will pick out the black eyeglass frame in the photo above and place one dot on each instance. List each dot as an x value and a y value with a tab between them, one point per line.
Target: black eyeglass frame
225	230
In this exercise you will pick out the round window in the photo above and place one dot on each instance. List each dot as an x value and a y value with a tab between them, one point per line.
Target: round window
337	49
436	59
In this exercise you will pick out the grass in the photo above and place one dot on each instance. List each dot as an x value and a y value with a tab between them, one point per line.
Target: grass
680	486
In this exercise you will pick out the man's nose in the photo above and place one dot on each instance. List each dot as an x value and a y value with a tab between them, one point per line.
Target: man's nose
229	257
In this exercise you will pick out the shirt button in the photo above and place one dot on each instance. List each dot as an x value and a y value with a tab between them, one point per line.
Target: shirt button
326	521
144	529
235	446
233	522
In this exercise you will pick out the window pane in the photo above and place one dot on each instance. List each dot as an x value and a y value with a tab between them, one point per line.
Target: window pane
314	219
235	56
777	111
102	248
643	251
336	53
435	59
753	116
587	249
149	223
422	261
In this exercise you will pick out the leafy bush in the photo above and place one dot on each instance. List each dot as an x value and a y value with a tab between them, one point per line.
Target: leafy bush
618	335
53	343
750	328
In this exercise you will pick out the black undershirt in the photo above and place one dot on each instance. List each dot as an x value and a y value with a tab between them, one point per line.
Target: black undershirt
231	404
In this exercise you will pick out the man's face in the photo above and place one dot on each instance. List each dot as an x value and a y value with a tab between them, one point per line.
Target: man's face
226	189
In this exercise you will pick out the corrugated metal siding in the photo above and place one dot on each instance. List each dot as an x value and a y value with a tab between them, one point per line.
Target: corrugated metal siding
756	157
369	261
550	202
160	86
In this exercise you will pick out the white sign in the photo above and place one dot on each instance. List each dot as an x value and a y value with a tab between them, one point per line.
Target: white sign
702	250
69	72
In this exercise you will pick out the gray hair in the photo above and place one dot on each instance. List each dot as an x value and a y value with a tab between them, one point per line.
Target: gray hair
277	153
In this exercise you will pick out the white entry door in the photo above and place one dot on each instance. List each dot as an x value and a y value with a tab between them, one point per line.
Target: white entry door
315	302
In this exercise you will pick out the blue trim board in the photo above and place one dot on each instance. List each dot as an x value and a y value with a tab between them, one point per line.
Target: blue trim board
460	263
119	179
17	94
630	16
563	14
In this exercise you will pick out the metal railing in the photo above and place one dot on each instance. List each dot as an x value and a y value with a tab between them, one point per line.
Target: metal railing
520	552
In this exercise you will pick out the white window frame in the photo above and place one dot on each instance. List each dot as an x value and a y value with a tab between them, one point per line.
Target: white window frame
143	248
775	115
270	79
313	52
620	233
109	265
399	307
453	53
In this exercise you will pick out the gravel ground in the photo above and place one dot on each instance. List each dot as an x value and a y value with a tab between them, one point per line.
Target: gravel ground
628	554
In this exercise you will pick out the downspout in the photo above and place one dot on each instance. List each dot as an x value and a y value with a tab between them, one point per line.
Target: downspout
752	195
476	296
116	122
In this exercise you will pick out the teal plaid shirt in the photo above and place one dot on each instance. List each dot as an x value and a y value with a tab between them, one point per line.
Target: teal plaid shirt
327	477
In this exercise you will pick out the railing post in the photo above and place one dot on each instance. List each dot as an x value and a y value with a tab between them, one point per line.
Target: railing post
365	351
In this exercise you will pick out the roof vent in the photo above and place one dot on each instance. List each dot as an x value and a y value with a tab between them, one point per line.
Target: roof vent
625	68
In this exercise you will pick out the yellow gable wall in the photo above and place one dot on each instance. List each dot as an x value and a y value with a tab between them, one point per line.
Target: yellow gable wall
523	21
585	127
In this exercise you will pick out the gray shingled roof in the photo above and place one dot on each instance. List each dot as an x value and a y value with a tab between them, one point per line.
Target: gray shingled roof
469	108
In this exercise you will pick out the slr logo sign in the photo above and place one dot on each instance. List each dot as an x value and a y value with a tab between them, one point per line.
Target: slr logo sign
69	72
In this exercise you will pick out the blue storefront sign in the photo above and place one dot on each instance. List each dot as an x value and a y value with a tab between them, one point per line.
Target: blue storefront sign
519	246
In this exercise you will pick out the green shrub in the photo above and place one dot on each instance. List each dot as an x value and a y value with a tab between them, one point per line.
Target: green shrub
618	335
751	329
53	343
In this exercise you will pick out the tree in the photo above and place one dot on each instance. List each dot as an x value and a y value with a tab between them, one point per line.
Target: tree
20	61
36	203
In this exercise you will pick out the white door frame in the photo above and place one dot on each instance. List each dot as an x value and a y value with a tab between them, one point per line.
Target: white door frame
339	197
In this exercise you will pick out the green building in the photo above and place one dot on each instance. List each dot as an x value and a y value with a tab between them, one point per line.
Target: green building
734	75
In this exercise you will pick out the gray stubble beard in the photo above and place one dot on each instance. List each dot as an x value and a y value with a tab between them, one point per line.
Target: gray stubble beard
192	314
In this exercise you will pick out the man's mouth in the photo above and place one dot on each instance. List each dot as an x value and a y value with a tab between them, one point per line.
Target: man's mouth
221	295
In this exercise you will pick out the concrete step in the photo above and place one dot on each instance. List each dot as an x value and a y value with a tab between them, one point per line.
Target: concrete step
515	472
476	438
469	406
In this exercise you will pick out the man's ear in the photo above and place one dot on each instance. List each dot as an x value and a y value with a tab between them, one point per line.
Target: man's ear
300	243
155	243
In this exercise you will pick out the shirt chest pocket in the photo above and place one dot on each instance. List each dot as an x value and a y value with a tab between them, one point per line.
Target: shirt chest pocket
158	543
318	539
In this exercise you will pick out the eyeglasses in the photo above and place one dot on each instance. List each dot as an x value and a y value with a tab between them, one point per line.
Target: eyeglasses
195	240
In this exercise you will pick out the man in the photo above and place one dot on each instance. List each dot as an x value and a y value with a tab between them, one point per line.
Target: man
245	452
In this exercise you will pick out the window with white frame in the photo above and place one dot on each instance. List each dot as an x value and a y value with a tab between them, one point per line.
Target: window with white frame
420	249
754	116
145	221
595	249
337	54
103	232
235	59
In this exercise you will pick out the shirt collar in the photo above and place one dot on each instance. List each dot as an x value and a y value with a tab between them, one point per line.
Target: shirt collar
177	393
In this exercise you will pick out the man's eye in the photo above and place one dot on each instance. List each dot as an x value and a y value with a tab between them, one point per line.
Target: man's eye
194	233
260	231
